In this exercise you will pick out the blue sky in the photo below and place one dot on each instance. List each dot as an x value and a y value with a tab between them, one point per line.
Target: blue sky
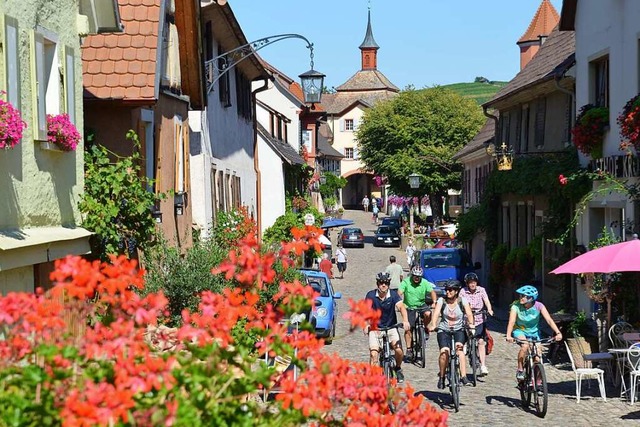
422	42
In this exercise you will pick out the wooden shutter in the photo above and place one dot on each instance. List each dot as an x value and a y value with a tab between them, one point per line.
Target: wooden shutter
185	145
38	89
341	125
541	112
69	79
161	149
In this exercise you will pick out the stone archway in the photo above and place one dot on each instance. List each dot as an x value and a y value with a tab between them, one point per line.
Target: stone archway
358	185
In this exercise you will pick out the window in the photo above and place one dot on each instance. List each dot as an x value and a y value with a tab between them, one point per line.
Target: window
348	153
541	115
524	129
146	117
223	82
348	125
10	56
504	128
46	79
181	182
243	95
600	70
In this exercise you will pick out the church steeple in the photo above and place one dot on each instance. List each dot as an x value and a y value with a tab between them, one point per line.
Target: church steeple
369	48
543	22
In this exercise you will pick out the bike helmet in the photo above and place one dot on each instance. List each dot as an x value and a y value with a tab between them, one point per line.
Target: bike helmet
383	277
453	284
470	277
529	291
416	271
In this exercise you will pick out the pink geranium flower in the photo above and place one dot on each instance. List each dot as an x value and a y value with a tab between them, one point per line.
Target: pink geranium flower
62	132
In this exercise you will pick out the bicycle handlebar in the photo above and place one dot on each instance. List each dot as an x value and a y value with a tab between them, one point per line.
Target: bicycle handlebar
388	328
422	309
534	341
481	311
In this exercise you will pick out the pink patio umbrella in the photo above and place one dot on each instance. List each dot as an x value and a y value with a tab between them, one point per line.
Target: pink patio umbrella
614	258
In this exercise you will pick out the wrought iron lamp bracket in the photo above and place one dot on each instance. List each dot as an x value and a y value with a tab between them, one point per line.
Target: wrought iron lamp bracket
217	67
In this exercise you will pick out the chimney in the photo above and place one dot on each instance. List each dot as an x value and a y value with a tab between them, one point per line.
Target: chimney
543	22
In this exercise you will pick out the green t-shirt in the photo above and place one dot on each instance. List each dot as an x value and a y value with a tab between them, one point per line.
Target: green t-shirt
414	296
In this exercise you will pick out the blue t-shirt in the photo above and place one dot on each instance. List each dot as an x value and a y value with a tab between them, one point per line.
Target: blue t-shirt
387	306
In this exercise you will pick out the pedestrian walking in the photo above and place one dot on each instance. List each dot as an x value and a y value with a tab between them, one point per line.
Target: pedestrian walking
375	211
395	272
326	266
365	204
410	251
341	259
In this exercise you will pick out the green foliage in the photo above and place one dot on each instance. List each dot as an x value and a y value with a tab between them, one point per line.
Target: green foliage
419	131
183	278
116	205
470	222
578	327
518	265
332	185
280	231
481	90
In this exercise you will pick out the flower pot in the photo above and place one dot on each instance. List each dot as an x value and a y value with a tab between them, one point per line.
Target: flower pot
49	146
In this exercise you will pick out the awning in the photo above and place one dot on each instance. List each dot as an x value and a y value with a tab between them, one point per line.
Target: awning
335	222
22	247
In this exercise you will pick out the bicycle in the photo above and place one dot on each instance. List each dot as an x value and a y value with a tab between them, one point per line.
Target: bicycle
535	380
472	349
387	359
419	337
453	375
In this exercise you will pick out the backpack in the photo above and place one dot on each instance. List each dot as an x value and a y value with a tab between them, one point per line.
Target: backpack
489	347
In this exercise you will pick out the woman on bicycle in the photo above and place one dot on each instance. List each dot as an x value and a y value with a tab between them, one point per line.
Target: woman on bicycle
524	320
450	313
478	299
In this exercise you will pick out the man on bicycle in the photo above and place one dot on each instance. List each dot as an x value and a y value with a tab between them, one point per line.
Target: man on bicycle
416	292
386	300
524	319
449	318
478	299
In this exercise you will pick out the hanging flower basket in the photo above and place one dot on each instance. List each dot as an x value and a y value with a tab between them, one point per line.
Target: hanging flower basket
629	122
588	132
11	125
62	132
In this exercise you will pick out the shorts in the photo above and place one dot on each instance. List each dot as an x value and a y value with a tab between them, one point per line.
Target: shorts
520	335
375	338
480	332
412	314
444	338
342	267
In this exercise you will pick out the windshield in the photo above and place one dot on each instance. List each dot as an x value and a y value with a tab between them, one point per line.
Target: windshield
319	284
390	221
385	230
442	259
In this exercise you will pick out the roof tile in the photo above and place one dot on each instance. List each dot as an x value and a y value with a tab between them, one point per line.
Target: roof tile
90	55
126	80
143	54
140	14
129	54
147	92
133	28
108	67
150	42
139	80
132	92
148	67
101	54
111	40
135	67
127	13
93	67
121	67
124	40
103	92
115	54
137	41
113	80
99	80
146	28
117	92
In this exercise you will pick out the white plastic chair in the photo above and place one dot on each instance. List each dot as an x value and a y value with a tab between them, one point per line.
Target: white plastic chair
634	368
588	373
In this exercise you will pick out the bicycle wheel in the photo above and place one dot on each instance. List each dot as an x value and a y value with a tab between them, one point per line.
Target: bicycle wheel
525	386
539	389
422	343
454	383
473	360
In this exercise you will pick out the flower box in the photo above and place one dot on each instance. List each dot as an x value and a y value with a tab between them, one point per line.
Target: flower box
49	146
62	133
11	125
588	133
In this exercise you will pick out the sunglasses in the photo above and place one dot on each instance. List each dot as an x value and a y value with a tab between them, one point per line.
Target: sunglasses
450	289
383	284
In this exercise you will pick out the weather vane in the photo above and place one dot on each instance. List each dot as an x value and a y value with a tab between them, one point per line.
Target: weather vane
369	5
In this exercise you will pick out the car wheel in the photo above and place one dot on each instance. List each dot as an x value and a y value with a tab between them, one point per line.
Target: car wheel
332	334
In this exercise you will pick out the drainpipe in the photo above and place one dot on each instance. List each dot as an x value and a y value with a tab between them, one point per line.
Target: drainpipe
495	119
568	92
256	166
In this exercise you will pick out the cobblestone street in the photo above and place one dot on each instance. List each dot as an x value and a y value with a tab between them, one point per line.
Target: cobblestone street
496	400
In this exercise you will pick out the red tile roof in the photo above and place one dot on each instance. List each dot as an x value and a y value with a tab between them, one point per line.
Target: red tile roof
543	22
123	65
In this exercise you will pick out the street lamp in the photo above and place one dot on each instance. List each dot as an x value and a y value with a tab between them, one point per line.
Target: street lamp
503	156
414	183
312	81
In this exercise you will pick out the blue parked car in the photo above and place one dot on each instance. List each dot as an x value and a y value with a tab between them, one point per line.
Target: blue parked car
325	311
443	264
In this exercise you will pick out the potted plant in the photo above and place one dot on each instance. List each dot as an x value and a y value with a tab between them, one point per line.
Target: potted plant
629	122
588	132
11	125
62	133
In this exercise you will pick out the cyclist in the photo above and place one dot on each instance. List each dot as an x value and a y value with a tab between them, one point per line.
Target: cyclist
524	319
478	299
449	318
415	293
387	301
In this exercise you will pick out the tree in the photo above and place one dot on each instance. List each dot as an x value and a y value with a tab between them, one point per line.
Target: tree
419	131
